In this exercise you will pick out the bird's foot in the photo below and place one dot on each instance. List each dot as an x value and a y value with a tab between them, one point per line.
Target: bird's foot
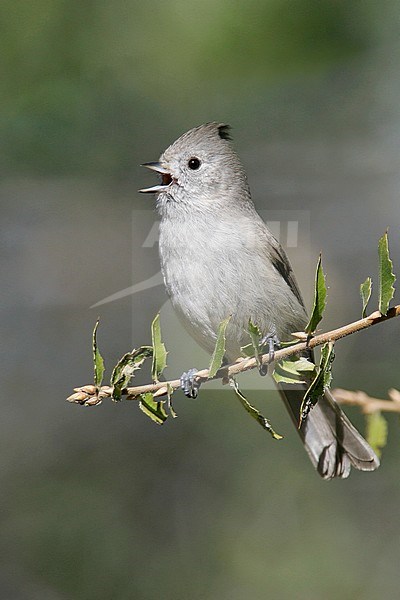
271	341
189	385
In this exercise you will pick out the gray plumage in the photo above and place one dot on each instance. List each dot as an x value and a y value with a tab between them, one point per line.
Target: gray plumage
218	258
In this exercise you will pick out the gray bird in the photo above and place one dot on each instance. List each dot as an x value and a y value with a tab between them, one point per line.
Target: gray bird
218	258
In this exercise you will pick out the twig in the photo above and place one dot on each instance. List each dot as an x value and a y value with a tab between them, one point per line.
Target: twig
88	395
368	404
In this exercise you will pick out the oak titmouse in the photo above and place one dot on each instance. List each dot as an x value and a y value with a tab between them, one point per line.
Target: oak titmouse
218	258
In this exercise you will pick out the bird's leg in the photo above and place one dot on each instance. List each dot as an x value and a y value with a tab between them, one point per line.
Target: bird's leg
189	385
270	340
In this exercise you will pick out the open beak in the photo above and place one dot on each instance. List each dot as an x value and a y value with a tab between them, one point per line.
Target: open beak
166	178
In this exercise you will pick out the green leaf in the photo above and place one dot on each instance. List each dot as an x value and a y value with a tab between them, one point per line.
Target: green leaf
170	391
281	376
298	365
292	342
98	361
125	368
159	351
319	298
321	381
247	350
152	409
327	358
265	424
365	291
386	275
292	370
219	350
376	431
255	336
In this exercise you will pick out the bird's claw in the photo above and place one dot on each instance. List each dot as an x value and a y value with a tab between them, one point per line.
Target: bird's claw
263	370
270	340
189	384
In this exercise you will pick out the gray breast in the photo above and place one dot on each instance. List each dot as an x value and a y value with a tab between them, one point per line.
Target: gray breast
213	271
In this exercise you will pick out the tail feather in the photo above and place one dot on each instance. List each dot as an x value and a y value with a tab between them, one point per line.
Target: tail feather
333	444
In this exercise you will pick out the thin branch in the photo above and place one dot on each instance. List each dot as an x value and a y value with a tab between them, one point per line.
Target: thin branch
368	404
88	395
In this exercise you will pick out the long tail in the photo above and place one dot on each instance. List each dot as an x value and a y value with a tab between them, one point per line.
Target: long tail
333	444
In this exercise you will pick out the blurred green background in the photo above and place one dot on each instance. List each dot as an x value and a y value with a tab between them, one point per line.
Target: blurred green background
101	503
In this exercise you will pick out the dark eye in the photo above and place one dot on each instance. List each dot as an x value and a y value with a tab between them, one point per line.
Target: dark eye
194	164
